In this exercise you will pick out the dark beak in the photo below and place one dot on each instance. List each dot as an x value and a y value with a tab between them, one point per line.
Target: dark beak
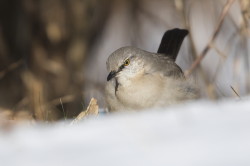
111	75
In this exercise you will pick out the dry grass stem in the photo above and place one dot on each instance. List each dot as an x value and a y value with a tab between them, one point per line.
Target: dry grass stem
235	92
35	89
208	46
92	110
11	67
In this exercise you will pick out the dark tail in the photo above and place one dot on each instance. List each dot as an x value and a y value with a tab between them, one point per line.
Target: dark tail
171	42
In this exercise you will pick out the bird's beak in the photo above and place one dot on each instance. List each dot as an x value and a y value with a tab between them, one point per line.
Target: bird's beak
111	75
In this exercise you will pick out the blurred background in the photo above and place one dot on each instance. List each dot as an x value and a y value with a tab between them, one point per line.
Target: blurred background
53	53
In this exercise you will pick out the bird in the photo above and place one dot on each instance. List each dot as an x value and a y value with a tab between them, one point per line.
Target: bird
140	80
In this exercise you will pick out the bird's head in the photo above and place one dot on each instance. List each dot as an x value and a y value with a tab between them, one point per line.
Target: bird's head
126	62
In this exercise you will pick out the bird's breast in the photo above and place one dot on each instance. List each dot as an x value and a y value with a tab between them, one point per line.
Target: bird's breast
141	92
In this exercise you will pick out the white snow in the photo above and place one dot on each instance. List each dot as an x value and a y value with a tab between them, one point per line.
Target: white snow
201	133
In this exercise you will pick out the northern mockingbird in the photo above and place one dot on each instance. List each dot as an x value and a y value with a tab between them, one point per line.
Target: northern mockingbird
139	79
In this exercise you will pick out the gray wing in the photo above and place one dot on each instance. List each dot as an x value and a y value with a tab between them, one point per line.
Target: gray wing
166	65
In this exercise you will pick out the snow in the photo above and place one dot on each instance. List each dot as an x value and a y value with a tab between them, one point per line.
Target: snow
199	133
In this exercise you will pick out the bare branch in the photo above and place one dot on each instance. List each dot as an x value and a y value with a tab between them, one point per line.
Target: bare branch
208	46
237	94
11	67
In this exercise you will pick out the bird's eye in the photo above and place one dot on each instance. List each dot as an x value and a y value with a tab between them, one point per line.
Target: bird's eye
126	62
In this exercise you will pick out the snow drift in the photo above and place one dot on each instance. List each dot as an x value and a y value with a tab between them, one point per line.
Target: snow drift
198	133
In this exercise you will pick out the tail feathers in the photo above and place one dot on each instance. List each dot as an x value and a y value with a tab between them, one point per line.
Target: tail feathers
171	42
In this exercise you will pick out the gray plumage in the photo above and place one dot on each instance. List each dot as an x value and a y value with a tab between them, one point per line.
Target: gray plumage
149	80
139	79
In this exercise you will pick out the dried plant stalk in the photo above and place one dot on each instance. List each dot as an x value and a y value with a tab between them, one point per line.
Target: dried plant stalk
11	67
35	92
210	43
92	110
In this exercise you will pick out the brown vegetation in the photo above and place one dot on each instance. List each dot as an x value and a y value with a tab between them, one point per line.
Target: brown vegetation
44	47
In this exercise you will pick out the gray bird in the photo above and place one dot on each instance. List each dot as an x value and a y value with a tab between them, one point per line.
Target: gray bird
139	79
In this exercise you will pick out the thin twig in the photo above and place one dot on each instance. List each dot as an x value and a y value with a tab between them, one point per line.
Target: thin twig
63	99
235	92
63	109
219	52
208	46
11	67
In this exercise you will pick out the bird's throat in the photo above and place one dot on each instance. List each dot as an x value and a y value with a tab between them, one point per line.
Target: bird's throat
116	85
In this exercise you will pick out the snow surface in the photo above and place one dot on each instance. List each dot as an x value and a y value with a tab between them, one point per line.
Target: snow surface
196	134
